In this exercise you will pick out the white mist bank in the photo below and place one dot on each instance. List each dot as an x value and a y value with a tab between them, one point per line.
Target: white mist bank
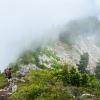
25	21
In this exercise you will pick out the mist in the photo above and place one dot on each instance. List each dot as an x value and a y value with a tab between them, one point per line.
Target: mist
23	22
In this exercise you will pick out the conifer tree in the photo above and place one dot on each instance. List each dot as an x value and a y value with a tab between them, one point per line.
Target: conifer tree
83	63
97	70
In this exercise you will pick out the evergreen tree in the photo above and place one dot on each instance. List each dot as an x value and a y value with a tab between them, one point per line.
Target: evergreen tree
97	70
84	60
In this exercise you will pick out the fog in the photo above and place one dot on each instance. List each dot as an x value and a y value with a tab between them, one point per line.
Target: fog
25	21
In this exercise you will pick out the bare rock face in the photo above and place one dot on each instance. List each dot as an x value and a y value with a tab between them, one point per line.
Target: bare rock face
25	69
73	54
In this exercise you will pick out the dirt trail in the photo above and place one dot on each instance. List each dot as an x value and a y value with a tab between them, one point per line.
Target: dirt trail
5	91
4	95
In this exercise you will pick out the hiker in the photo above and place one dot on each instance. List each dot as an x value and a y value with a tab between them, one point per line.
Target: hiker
8	74
5	72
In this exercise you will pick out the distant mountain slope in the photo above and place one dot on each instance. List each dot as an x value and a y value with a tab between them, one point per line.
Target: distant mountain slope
76	38
81	36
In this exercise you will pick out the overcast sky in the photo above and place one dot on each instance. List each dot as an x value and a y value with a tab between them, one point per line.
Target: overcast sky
22	21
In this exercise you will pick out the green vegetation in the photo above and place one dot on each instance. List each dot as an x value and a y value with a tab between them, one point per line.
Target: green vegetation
41	57
56	84
3	80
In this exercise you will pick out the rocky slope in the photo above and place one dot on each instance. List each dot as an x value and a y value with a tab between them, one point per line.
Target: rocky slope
78	37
